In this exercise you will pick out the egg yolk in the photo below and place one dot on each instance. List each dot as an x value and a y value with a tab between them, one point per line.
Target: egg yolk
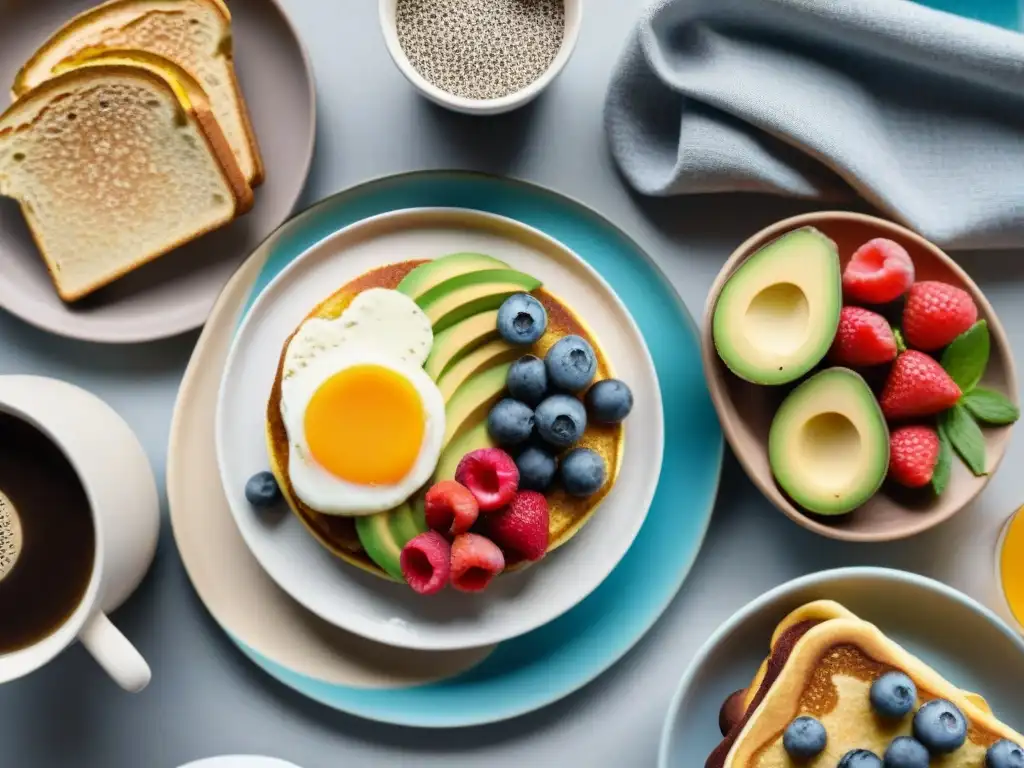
365	425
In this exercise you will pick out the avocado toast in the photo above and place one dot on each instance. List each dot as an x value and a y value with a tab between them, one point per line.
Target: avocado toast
824	664
469	362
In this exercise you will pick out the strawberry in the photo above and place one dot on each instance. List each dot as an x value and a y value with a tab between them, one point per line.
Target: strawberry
917	386
879	271
935	314
426	562
450	508
475	561
863	338
913	454
521	528
491	475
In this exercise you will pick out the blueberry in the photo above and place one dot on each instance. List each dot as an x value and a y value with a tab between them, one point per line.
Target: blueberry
510	422
528	380
536	469
906	752
893	695
804	738
609	401
561	420
1004	754
583	472
571	363
522	319
262	490
940	726
860	758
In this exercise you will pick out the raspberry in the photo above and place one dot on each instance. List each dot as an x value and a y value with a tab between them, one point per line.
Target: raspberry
863	338
475	561
917	386
521	528
935	314
450	508
491	475
913	452
426	562
879	271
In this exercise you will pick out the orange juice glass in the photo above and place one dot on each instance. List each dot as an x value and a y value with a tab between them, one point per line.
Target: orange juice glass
1010	565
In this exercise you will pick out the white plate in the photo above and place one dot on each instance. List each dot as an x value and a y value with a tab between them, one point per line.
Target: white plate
391	613
240	761
961	639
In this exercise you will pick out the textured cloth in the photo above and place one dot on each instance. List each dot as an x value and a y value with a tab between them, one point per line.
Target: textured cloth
918	111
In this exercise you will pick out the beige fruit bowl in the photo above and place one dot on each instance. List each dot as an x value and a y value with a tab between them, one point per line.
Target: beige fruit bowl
746	410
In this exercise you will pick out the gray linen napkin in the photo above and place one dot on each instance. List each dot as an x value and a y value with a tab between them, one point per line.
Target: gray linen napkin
918	111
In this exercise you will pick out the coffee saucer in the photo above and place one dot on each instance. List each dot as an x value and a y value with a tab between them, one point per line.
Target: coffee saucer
462	688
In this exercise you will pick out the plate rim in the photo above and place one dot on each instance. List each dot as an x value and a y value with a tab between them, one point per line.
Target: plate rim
752	607
492	221
299	682
189	323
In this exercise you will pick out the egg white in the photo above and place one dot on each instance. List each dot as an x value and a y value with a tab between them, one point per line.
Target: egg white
327	493
379	318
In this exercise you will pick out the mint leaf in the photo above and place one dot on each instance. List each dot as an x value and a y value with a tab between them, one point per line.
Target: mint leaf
990	407
966	357
965	436
943	465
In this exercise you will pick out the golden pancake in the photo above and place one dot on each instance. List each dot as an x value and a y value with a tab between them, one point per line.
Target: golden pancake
568	514
822	664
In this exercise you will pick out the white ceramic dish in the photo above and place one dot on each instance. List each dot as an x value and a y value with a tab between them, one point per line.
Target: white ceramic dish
943	627
240	761
364	604
573	19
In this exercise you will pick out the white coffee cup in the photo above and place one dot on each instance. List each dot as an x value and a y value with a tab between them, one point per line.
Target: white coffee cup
119	484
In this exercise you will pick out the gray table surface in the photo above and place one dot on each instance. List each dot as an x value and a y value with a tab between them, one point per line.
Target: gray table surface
206	699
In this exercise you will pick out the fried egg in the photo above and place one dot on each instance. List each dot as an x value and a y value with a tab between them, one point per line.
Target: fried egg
381	319
365	423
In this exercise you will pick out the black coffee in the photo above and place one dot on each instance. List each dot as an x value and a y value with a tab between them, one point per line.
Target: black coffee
47	576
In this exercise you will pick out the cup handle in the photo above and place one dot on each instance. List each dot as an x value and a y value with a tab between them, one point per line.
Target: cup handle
115	654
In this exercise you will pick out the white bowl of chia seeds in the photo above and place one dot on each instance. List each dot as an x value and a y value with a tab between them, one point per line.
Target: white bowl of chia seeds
480	57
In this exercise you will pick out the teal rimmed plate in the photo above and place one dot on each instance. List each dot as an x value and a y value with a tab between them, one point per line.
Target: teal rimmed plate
449	689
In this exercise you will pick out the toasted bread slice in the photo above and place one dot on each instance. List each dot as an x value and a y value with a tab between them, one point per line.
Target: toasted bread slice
822	663
114	164
194	34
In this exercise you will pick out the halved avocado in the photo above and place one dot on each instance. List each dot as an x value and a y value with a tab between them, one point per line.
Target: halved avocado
470	440
478	360
472	400
828	445
460	297
459	340
384	534
426	276
777	315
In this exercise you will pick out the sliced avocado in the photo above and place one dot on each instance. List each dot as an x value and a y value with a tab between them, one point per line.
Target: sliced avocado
426	276
828	445
459	340
478	360
472	400
777	315
460	297
471	440
384	534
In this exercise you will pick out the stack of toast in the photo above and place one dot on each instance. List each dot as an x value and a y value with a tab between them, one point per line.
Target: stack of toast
128	137
823	667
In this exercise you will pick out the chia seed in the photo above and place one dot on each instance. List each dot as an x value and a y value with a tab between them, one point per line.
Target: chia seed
480	49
